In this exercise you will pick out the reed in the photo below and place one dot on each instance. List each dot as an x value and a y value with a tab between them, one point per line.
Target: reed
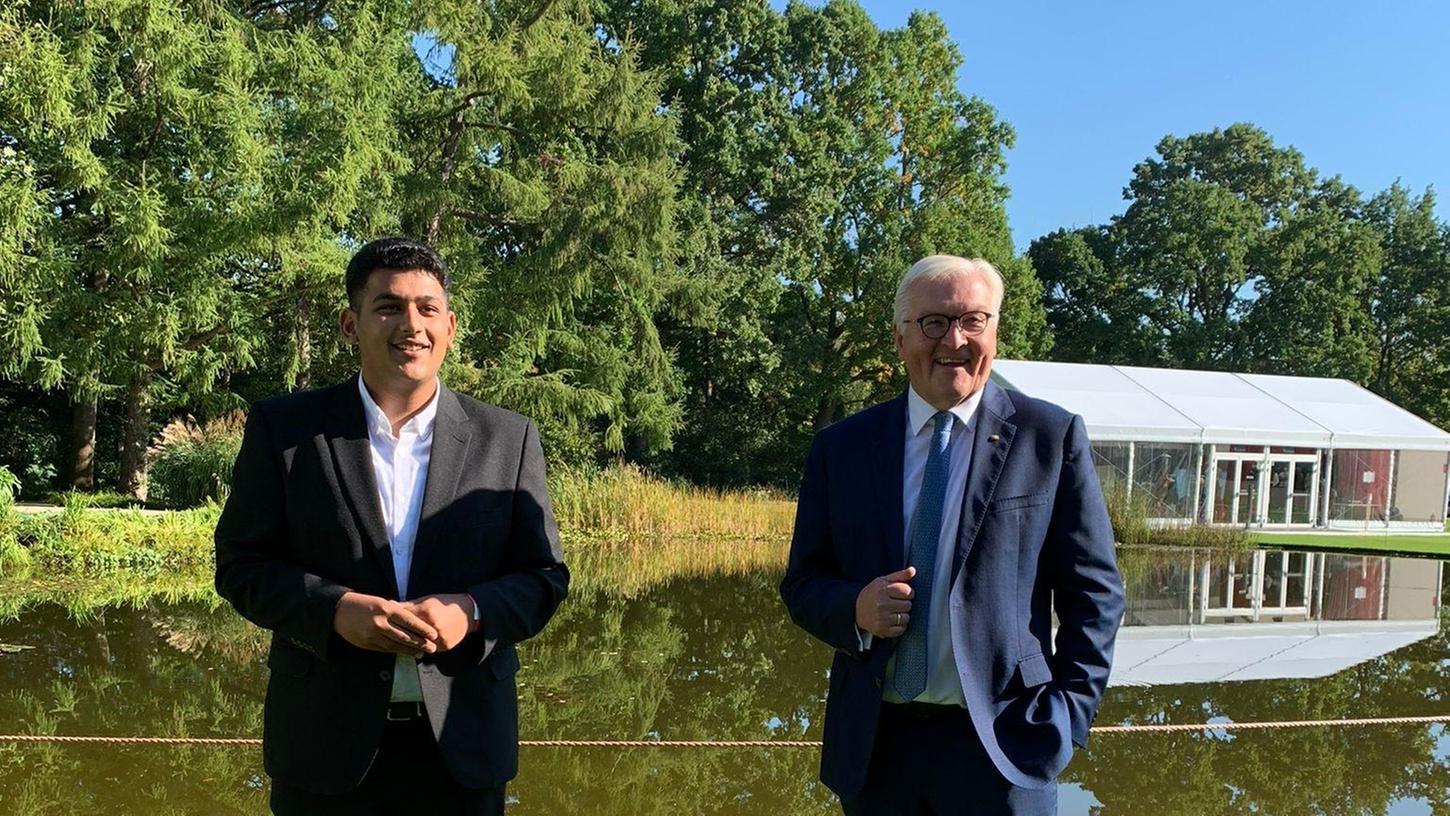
1129	517
82	540
625	502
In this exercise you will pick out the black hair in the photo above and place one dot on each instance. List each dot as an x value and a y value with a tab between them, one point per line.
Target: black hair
392	253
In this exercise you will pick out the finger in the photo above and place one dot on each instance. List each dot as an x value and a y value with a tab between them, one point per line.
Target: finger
891	607
901	575
891	626
410	642
899	591
406	619
381	641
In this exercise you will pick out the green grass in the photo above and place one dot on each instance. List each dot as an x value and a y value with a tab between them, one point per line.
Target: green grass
1415	544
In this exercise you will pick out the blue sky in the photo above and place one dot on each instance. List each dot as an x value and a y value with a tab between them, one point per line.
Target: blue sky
1361	89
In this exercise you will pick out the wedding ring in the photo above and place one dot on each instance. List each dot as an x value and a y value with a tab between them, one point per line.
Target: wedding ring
898	618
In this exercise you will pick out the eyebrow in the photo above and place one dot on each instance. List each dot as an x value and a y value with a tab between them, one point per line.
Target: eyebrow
389	296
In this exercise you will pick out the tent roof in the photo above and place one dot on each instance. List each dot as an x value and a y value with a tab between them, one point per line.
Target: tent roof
1153	655
1168	405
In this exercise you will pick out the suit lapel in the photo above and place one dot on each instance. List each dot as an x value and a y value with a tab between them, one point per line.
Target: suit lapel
890	459
452	436
347	435
991	440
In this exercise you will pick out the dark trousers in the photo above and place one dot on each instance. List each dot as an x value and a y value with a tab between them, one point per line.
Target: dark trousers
407	776
935	766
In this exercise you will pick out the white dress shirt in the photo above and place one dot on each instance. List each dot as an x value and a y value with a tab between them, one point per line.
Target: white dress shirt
943	686
400	465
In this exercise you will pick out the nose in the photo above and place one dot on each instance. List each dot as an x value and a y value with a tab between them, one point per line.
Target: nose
956	335
412	319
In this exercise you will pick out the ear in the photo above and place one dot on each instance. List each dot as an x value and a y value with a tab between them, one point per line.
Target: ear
347	324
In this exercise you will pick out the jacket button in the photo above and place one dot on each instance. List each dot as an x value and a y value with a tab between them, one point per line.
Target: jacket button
385	675
878	682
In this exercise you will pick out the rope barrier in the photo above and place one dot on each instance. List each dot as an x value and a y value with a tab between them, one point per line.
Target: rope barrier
32	739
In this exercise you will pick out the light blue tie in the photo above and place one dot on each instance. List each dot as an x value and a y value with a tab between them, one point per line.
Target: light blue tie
910	675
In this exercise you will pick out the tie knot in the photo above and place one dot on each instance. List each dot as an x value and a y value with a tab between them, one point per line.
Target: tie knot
943	422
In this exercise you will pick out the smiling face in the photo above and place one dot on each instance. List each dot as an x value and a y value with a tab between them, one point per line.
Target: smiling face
402	326
946	371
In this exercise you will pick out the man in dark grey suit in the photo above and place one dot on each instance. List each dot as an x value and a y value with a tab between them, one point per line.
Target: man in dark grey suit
935	536
397	539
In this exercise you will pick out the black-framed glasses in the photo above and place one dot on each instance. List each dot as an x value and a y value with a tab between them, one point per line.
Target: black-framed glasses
936	326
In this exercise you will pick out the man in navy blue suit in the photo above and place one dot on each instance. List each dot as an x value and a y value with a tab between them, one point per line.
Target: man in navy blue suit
935	535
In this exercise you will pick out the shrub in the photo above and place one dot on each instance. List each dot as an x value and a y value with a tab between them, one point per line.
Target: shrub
100	499
1130	516
13	557
191	463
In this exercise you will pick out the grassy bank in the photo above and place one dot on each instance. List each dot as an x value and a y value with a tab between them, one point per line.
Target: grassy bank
1437	544
631	528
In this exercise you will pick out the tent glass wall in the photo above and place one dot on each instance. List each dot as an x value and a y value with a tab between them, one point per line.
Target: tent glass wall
1164	475
1359	487
1110	460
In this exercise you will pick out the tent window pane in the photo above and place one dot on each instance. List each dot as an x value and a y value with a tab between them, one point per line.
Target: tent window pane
1163	476
1359	489
1110	459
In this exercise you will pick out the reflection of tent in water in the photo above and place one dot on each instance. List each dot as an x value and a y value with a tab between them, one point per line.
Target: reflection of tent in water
1251	449
1267	614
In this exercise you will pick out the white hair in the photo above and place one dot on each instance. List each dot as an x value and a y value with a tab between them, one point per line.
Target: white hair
940	267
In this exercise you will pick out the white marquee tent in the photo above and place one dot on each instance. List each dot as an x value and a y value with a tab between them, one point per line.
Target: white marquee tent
1252	449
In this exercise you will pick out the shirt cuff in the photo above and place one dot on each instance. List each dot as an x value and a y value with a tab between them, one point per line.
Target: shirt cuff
863	639
475	621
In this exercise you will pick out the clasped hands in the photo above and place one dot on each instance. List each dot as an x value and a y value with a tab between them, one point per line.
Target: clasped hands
425	626
883	606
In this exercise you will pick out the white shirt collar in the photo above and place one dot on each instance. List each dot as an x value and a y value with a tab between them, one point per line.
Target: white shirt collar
919	411
421	424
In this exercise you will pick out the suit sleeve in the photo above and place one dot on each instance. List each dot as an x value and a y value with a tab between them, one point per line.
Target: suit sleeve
253	569
819	598
1087	589
516	605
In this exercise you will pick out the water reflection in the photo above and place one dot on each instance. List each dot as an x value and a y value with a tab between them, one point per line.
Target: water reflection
717	658
1195	617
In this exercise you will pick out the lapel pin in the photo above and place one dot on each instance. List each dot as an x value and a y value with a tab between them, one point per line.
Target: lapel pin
994	438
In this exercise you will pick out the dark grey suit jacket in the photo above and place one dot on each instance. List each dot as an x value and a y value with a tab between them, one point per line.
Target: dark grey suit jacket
303	525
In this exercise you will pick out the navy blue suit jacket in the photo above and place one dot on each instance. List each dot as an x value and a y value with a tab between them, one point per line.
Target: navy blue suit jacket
1034	533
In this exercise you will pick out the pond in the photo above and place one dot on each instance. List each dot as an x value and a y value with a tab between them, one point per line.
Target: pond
1258	636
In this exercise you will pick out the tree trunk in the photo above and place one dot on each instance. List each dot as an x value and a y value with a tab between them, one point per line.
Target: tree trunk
134	436
100	639
825	413
83	445
302	336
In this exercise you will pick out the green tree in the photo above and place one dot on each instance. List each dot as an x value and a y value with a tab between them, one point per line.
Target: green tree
1095	309
1411	310
1195	225
140	141
823	155
337	79
719	64
1232	254
1316	276
545	169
